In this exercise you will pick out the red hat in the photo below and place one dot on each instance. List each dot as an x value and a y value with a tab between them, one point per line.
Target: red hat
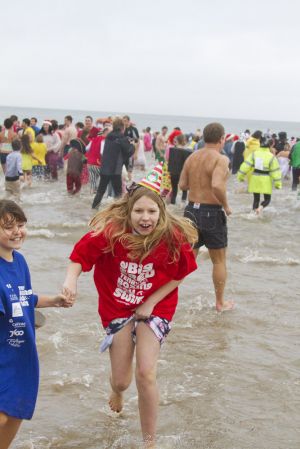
153	179
229	137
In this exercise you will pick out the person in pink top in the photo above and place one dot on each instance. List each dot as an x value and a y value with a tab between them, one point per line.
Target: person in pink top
148	139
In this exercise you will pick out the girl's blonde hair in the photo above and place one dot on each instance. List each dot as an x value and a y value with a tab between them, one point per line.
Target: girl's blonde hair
115	222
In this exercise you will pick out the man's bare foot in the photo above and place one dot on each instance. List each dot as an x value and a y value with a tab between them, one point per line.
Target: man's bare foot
116	402
227	305
259	210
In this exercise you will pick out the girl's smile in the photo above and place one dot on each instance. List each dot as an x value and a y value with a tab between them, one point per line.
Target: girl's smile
11	238
144	215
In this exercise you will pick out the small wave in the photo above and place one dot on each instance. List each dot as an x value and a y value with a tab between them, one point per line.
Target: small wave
41	198
74	225
41	233
67	380
46	233
67	224
254	257
35	443
57	340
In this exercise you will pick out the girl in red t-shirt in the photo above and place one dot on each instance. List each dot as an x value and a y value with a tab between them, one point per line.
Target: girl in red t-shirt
141	253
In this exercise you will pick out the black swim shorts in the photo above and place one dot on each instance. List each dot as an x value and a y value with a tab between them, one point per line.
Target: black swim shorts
211	222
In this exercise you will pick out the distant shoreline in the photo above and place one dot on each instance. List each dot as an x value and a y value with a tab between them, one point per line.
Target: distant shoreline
155	121
120	113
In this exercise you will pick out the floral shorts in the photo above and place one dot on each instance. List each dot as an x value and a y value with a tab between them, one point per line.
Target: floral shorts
160	326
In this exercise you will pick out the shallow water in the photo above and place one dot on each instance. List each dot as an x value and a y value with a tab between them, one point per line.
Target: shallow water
227	381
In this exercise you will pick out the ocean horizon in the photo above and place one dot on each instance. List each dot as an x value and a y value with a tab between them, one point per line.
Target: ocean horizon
187	123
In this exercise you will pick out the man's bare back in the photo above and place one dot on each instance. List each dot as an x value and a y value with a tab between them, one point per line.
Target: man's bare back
205	174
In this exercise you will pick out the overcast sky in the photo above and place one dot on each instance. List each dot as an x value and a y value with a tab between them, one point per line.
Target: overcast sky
206	58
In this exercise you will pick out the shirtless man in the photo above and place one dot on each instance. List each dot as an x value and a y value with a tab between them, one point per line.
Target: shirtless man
69	134
205	174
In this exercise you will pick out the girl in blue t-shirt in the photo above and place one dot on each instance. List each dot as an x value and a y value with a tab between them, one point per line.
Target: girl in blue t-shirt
19	367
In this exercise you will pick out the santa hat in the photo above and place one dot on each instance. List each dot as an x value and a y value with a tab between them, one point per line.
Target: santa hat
153	179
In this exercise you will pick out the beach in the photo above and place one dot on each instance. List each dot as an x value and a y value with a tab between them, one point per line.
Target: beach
227	381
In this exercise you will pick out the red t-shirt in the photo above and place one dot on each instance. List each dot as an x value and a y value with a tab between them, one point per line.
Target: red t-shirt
123	284
94	154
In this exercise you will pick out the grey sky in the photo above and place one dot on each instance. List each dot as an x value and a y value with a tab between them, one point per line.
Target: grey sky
208	58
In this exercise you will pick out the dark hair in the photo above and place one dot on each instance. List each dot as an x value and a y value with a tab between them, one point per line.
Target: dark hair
177	128
257	135
282	135
8	123
88	116
34	118
16	145
266	143
26	121
11	212
42	130
118	124
54	125
26	147
14	118
164	127
79	125
69	117
148	129
213	133
126	117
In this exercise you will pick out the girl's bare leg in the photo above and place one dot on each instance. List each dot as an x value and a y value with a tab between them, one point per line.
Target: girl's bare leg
9	427
121	355
147	352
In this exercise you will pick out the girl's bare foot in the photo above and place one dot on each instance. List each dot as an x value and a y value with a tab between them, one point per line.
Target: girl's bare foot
116	402
227	305
149	443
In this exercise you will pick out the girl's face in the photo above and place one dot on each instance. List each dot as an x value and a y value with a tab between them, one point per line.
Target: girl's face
144	215
46	127
12	236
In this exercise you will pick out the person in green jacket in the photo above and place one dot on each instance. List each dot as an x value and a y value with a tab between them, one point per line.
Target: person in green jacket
266	170
295	163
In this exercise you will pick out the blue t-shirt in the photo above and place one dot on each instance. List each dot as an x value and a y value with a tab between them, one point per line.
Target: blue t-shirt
19	367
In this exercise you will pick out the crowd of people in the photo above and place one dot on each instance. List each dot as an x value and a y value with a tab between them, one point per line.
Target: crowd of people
86	150
139	248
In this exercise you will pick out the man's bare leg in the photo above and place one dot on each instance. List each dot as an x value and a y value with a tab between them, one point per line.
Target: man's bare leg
219	275
9	427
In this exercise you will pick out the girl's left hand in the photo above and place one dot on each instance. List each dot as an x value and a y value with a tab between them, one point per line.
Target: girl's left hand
63	301
144	311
